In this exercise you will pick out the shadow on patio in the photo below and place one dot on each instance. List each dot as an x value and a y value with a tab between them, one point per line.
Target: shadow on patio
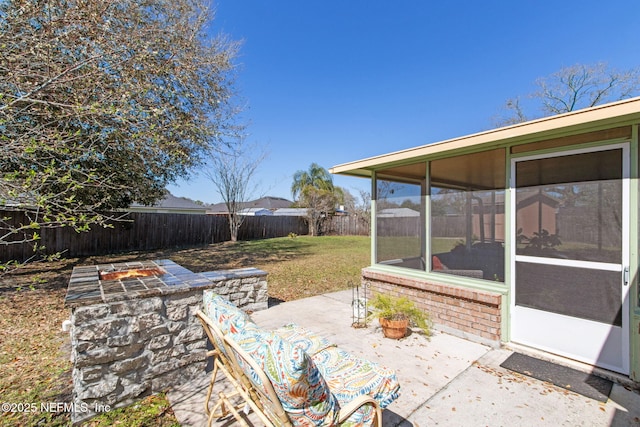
445	380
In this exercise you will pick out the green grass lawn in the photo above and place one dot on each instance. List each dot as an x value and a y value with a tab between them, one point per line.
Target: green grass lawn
397	247
35	367
444	244
307	266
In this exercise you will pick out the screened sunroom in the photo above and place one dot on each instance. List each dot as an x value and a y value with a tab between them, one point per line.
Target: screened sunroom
525	234
445	215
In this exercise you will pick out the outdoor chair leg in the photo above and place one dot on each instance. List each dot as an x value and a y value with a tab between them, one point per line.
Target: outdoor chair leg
212	416
224	406
219	410
210	388
233	410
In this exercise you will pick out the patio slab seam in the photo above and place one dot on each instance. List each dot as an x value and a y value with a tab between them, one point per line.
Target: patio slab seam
445	387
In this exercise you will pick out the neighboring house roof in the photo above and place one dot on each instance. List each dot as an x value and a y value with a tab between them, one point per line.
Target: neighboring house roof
536	197
291	212
397	212
217	208
171	204
255	212
271	203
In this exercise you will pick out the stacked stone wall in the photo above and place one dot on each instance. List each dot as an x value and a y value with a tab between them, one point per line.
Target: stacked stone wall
125	350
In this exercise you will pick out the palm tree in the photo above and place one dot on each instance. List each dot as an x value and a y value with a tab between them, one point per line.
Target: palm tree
314	190
316	177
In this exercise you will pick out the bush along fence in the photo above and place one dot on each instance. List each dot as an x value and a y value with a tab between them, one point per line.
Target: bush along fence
145	232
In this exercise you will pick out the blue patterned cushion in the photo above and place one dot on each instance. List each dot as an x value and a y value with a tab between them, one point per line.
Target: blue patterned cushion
301	337
349	376
302	391
363	417
228	317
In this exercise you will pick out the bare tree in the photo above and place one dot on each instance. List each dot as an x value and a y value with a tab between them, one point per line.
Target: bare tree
359	207
514	113
103	104
232	172
575	87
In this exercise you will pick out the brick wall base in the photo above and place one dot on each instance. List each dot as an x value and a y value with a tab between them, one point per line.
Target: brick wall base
469	313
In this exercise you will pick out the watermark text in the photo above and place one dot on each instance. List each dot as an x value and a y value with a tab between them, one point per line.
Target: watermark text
53	407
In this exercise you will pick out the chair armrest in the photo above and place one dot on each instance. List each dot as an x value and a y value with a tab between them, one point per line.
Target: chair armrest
355	404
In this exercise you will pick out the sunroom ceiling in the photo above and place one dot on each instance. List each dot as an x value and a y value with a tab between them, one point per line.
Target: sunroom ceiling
484	170
478	171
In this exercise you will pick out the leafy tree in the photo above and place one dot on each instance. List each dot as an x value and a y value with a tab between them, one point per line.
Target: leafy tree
320	204
314	190
231	172
103	104
410	204
575	87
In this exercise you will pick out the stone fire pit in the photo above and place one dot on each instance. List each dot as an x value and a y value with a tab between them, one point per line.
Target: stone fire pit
133	330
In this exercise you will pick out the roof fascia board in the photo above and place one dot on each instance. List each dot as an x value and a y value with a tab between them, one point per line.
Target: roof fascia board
621	113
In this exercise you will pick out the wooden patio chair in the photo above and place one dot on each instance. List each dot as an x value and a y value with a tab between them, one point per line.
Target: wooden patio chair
273	412
252	387
221	363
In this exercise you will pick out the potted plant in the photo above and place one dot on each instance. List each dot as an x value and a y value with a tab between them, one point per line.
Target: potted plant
541	244
395	314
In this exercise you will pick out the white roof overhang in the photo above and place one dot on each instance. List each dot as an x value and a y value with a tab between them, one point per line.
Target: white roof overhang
615	114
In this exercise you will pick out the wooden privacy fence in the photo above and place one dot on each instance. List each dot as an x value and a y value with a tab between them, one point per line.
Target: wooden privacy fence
147	231
351	225
399	226
265	227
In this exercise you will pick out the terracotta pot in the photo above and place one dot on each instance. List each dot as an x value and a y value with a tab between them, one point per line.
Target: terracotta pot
394	329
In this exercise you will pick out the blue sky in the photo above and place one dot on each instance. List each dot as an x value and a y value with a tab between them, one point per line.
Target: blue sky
336	81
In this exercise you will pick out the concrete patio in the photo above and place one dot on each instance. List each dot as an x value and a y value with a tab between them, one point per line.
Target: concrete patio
445	380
